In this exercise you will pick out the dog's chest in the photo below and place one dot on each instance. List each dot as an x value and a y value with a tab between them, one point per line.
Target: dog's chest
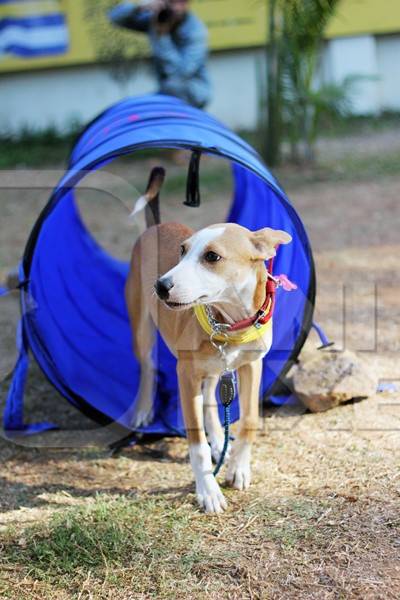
234	358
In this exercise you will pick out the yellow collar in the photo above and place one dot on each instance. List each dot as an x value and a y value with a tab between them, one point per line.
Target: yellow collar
244	336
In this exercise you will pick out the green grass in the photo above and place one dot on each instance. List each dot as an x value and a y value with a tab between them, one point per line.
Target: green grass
151	546
338	128
32	155
360	124
35	149
148	541
109	532
352	167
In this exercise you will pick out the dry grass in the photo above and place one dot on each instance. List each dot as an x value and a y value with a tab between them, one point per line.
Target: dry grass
320	521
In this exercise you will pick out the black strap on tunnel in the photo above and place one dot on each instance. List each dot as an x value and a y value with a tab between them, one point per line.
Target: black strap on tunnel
193	181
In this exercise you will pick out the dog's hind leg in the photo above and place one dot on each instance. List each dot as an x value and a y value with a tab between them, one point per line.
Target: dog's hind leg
143	332
212	423
143	343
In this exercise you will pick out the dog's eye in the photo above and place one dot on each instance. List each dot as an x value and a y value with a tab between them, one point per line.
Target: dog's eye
183	250
212	257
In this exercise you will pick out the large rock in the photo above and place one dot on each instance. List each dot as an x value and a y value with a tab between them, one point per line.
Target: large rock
327	378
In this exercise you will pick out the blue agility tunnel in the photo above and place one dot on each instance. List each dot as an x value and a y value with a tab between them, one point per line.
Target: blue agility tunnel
74	318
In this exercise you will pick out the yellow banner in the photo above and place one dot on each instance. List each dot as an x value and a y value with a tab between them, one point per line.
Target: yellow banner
231	24
22	9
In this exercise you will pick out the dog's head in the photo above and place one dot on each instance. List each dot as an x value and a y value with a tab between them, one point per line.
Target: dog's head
218	264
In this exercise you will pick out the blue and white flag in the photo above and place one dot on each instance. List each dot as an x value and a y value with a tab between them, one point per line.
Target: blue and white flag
31	28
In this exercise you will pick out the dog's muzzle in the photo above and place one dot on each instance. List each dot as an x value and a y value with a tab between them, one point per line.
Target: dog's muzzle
163	286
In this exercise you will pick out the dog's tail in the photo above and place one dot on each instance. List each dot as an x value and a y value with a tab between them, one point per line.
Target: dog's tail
150	201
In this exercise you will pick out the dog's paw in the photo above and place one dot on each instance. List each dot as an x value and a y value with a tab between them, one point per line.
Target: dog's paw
239	477
238	473
209	495
142	417
216	446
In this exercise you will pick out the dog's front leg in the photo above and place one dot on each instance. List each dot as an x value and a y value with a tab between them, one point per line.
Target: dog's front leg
208	493
215	433
239	470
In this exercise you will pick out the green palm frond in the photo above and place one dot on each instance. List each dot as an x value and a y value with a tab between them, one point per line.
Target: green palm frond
305	21
298	99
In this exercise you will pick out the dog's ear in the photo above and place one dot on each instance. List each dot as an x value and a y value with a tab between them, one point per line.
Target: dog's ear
265	241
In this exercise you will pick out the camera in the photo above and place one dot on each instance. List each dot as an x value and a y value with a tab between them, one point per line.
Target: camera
165	16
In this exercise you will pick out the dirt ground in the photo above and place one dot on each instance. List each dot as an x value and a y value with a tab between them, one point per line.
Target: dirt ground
332	480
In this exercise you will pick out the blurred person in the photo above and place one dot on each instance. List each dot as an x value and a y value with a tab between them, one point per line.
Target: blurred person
178	41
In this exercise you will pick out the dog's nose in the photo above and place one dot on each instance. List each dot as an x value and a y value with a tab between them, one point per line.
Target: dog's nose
163	285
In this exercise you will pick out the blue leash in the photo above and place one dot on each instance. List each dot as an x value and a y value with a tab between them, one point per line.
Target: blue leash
227	420
227	392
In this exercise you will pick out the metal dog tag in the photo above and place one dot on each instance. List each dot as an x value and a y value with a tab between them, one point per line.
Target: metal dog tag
227	387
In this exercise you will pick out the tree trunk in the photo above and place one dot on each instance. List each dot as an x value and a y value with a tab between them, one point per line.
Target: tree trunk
274	129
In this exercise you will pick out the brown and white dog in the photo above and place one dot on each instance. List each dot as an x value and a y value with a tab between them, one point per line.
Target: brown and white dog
173	269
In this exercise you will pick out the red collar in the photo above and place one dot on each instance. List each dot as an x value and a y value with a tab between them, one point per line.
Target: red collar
264	314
